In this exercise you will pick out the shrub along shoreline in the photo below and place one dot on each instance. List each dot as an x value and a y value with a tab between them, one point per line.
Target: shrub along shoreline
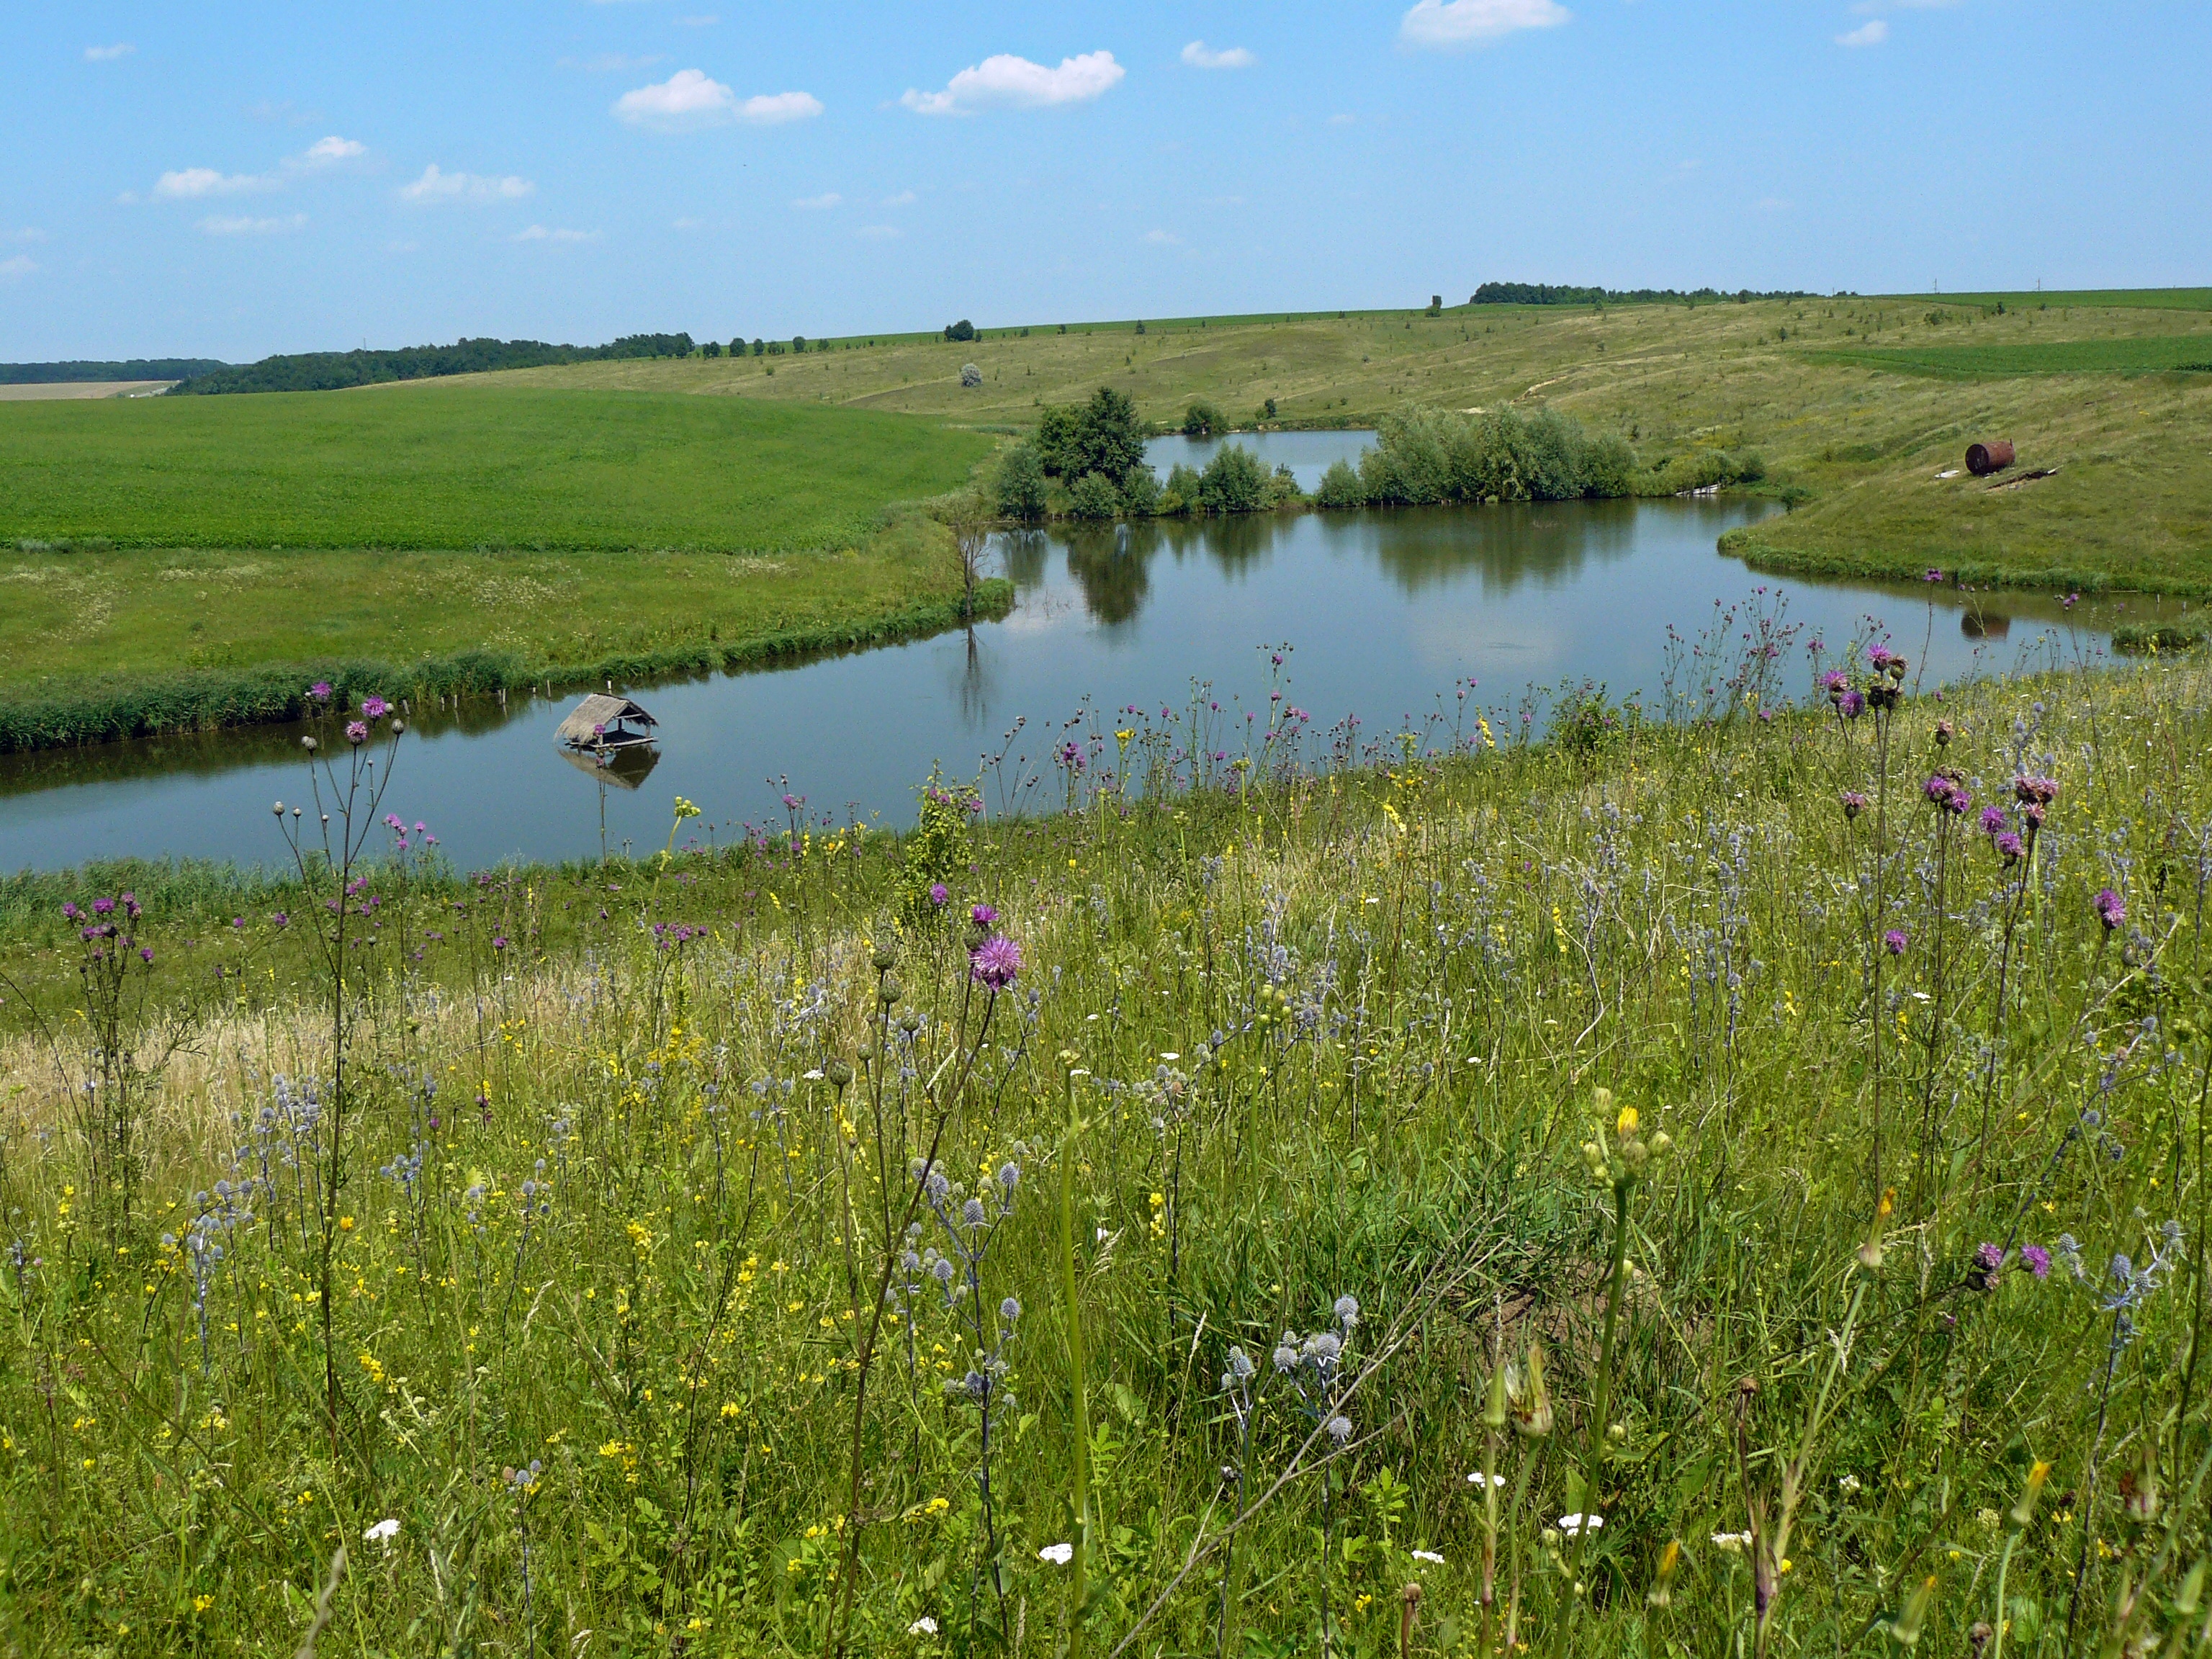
197	700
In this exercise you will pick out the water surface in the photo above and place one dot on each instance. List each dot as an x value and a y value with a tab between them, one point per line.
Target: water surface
1387	614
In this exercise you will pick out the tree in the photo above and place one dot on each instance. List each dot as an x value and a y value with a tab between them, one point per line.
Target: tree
712	349
798	344
963	330
1021	483
1203	419
1141	492
970	525
1060	442
738	346
1093	496
1233	482
1113	437
970	375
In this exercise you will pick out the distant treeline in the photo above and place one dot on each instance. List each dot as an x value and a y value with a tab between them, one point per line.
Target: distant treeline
328	371
1545	294
137	368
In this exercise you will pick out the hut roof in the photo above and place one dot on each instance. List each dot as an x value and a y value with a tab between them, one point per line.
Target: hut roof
599	710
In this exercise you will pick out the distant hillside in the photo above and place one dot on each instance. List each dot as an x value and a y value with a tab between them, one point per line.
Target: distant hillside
329	371
1545	294
137	368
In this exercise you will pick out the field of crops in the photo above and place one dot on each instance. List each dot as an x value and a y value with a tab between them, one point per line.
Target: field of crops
446	466
1735	1187
2150	354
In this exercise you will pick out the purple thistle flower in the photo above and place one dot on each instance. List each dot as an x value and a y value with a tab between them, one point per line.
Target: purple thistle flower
2036	1259
1835	683
70	912
1893	941
1933	575
2112	910
280	920
499	941
320	690
357	732
101	907
146	954
939	895
982	915
2039	791
2007	845
995	962
1854	803
374	707
1852	705
1991	1257
1993	820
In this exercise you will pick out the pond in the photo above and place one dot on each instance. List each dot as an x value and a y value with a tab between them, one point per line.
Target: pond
1387	614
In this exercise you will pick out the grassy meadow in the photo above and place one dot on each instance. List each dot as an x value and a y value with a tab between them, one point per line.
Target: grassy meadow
1683	1188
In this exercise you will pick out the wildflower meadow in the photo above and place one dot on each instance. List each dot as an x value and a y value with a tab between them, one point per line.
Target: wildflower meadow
1731	1184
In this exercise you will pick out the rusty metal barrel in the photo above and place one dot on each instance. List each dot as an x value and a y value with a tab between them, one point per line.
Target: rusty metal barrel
1995	456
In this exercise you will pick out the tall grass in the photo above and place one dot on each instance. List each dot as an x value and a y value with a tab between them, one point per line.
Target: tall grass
1505	1111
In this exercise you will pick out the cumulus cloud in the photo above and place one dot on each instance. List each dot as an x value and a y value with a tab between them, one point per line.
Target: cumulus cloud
1163	239
324	151
1198	55
188	183
1006	82
1872	32
1446	25
540	234
246	225
108	54
878	233
817	204
436	185
691	98
15	269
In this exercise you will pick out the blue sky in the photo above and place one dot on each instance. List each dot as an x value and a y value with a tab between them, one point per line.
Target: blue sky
234	179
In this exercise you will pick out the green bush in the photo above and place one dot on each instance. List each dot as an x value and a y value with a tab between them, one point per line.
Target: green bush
1141	492
1233	482
1021	483
1183	480
1103	435
1430	456
1203	419
1283	488
1093	496
1340	487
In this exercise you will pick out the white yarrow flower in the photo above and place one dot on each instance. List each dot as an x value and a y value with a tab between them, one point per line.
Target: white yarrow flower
1428	1555
1848	1484
924	1625
1735	1543
382	1533
1572	1524
1479	1478
1058	1555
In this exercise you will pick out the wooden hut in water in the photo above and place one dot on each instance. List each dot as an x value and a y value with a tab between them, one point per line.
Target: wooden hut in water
603	723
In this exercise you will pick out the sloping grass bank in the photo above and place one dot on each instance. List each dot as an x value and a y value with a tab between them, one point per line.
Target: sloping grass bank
193	700
700	1250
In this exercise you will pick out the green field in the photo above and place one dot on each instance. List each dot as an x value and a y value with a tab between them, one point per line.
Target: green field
1817	1198
474	467
2137	354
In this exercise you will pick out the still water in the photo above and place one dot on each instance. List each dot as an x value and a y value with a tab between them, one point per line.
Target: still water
1386	613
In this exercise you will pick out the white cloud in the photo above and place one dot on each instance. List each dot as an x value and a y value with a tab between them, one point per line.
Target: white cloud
904	199
435	185
1342	120
108	54
1870	33
704	20
539	233
878	233
1774	205
686	224
244	225
690	97
1198	56
1448	24
1163	239
325	151
188	183
15	270
29	233
815	203
1012	83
